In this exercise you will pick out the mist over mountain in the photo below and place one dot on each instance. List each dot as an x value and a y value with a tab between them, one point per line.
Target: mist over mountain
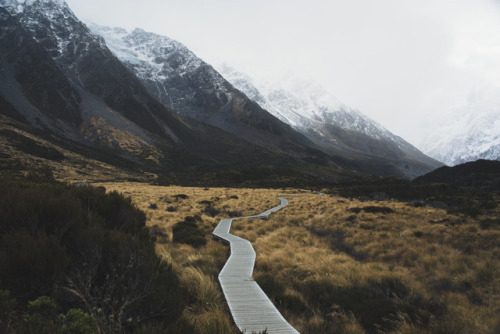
466	133
311	110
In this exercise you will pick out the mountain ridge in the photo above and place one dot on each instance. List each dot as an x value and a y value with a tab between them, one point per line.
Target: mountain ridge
168	68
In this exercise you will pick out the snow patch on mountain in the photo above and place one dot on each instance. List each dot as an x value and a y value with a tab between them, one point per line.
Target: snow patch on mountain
466	133
169	70
154	56
304	104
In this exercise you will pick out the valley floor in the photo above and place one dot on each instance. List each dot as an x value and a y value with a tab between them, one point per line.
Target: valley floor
333	264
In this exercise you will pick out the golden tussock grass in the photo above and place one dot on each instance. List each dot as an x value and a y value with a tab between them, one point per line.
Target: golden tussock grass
425	270
332	267
198	268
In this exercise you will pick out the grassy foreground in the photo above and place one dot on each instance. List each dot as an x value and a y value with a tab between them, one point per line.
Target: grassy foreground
197	264
332	264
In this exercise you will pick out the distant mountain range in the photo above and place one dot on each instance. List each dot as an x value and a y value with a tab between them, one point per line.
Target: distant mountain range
152	105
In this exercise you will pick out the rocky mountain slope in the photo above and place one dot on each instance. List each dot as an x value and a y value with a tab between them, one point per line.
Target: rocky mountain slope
178	78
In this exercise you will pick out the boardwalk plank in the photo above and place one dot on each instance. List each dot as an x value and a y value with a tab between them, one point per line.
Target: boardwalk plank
250	307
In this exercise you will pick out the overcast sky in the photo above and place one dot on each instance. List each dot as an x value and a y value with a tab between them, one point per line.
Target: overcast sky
397	61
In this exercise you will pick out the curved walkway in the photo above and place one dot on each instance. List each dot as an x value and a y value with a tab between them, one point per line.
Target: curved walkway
252	310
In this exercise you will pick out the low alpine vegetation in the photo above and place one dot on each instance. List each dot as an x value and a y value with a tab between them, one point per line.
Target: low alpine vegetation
78	260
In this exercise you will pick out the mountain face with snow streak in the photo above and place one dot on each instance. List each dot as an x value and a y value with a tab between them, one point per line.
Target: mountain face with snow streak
62	77
310	109
467	133
179	79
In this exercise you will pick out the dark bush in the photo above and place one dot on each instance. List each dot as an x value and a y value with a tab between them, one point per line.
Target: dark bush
211	211
489	222
86	250
270	284
418	234
153	206
192	219
377	305
355	210
378	209
187	232
116	209
472	212
30	266
42	174
181	196
172	209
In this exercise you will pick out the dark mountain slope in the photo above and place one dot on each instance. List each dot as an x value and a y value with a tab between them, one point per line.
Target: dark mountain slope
480	173
191	87
30	76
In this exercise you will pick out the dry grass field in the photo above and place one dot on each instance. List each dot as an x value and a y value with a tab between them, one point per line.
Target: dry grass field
332	264
198	267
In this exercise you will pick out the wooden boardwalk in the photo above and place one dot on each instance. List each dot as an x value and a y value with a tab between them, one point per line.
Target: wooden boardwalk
250	307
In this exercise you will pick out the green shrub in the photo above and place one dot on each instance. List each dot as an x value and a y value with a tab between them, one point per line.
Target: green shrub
79	322
42	316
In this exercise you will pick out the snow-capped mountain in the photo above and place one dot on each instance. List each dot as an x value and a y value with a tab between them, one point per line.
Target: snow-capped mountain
60	78
178	78
466	133
310	109
162	64
303	103
182	81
